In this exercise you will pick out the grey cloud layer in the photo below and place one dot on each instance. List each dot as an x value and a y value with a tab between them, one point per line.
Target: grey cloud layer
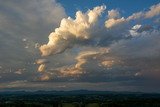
24	24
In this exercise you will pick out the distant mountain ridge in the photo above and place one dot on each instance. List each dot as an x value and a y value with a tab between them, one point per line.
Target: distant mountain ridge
73	92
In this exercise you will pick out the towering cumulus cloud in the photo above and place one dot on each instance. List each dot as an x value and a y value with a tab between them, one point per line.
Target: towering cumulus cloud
71	30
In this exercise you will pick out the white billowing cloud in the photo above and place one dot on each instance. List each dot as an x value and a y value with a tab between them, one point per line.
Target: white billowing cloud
136	27
139	30
71	30
154	11
135	16
113	14
75	31
133	31
114	21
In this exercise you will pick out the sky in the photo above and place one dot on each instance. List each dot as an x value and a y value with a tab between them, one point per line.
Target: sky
104	45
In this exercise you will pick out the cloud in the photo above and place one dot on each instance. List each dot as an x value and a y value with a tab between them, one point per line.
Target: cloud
71	30
113	14
107	63
115	21
42	68
31	20
92	62
141	54
88	62
42	61
20	71
154	11
89	52
24	24
114	18
120	61
134	30
137	30
44	77
83	29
